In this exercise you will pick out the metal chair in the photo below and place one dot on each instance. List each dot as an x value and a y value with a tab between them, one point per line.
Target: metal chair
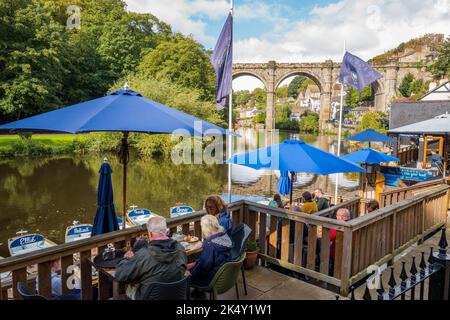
27	294
225	278
168	291
240	236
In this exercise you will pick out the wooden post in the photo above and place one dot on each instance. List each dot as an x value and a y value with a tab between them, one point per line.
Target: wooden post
44	279
86	275
312	247
262	232
19	275
285	240
273	237
346	261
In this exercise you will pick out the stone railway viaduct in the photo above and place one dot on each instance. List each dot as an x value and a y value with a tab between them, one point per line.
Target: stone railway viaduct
325	75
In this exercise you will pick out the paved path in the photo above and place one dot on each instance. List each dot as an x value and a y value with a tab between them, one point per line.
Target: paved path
266	284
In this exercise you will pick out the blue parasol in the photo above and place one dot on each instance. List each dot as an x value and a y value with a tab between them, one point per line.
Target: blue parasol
105	219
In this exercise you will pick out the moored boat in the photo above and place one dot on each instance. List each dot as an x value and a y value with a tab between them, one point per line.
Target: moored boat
26	243
78	231
139	216
180	211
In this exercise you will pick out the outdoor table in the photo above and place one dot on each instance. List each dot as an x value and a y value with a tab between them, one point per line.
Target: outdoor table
118	288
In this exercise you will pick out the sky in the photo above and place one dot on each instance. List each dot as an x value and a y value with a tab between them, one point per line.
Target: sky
302	30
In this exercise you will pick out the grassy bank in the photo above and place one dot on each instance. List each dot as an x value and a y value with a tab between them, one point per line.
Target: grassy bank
64	144
7	143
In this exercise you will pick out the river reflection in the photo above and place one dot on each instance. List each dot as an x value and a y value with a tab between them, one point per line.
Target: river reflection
45	194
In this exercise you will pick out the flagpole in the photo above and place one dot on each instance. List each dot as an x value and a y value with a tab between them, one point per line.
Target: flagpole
339	133
230	122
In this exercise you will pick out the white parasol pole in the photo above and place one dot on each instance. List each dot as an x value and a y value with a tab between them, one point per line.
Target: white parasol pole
230	122
339	134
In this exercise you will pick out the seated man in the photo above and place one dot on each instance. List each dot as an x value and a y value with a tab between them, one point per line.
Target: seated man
162	260
216	251
322	202
343	214
56	283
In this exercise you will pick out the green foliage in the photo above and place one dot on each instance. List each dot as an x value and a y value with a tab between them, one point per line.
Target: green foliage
242	98
412	88
260	96
282	121
441	68
282	92
182	61
260	118
99	142
158	145
405	86
44	66
309	122
353	98
251	246
374	120
305	85
294	86
178	97
26	146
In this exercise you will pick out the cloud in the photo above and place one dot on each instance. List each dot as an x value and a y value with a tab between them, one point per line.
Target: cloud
183	15
370	27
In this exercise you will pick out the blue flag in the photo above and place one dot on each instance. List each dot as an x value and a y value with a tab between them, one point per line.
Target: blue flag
222	60
357	73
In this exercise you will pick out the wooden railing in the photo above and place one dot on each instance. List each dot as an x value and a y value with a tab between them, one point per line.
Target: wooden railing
369	239
356	207
408	154
393	196
379	236
76	254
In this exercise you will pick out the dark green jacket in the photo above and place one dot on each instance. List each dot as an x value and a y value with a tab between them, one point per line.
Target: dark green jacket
322	203
160	261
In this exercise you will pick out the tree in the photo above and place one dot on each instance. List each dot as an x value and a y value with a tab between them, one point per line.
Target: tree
309	122
295	85
441	68
352	97
260	96
405	86
282	92
44	66
33	58
374	120
243	97
183	61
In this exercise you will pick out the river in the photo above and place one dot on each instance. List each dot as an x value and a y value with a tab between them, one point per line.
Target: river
46	194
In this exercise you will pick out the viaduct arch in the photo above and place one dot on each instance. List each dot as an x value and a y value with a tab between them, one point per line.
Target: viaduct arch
325	75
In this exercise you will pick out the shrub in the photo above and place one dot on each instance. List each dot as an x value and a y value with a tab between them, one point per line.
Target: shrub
251	246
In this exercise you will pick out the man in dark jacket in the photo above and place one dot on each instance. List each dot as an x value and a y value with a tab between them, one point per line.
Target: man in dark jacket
322	202
162	260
